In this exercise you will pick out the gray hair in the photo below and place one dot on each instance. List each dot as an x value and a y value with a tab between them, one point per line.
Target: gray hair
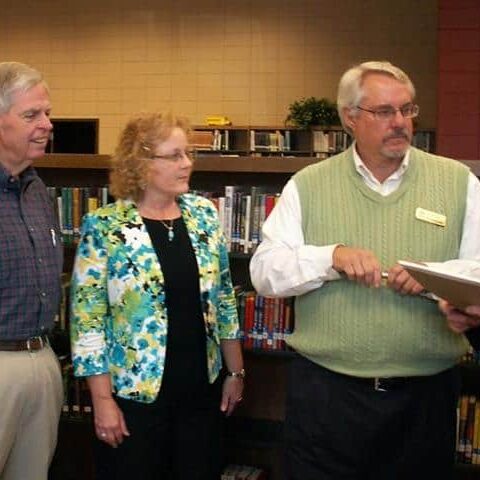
16	77
350	91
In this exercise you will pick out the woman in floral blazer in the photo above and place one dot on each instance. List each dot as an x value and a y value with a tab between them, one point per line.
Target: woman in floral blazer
153	310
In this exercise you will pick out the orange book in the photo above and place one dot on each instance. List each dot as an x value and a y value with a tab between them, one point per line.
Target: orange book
469	427
249	319
76	211
462	428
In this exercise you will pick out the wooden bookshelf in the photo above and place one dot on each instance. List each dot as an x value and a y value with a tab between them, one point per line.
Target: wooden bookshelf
87	161
204	163
254	434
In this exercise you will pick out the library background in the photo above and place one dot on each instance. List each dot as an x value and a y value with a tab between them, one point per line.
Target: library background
247	61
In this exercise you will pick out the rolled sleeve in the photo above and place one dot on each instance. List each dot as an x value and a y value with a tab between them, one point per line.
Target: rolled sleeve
89	303
228	325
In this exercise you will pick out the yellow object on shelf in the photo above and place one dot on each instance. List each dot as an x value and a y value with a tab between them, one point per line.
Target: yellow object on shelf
217	120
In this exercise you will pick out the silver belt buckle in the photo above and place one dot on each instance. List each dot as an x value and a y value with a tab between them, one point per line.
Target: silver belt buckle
29	345
377	385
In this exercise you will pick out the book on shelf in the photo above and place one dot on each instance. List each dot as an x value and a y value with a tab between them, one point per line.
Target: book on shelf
72	203
462	426
476	434
210	140
202	139
468	430
424	140
457	281
330	142
263	320
270	140
242	211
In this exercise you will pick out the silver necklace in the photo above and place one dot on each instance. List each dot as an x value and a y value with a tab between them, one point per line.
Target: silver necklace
169	227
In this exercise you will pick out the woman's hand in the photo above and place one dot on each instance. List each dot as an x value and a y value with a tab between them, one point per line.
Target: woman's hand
110	425
460	321
231	394
233	385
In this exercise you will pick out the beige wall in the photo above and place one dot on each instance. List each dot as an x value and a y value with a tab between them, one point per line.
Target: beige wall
247	59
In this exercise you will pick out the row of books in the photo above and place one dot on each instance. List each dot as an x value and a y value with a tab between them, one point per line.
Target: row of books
243	472
323	142
210	140
468	430
330	142
265	322
270	141
242	211
71	203
424	141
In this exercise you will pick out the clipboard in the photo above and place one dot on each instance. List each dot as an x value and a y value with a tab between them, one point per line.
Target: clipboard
459	290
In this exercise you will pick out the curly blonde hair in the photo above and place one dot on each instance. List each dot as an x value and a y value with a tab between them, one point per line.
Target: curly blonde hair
130	164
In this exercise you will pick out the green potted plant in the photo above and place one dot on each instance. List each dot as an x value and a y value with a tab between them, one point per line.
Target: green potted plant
312	111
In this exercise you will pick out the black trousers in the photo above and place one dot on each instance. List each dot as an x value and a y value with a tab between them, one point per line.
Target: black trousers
168	441
341	428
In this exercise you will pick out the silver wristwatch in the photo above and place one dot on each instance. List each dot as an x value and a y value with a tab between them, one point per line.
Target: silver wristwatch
239	374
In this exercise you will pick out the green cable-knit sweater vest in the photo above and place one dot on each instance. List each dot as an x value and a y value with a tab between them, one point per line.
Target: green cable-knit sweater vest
370	332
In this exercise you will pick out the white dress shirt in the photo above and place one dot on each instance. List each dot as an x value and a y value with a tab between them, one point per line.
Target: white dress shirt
284	266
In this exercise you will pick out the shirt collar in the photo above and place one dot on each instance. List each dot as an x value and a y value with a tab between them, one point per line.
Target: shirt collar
366	173
7	180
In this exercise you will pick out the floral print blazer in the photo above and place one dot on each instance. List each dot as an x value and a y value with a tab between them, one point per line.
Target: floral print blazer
118	313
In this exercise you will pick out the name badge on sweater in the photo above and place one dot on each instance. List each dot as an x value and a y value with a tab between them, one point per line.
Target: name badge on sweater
431	217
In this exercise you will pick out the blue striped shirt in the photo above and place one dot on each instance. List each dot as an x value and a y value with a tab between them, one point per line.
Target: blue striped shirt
31	257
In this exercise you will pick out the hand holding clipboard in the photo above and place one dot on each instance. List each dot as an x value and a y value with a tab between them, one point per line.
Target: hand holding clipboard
458	289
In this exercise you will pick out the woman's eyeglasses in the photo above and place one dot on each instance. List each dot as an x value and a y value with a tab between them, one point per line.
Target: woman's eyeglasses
177	156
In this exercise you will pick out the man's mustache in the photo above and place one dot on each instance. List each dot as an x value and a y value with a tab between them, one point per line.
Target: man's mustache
398	133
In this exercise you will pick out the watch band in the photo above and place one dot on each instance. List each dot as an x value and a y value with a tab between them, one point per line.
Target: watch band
240	374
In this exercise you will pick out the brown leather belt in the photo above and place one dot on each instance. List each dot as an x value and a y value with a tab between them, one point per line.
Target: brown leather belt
32	344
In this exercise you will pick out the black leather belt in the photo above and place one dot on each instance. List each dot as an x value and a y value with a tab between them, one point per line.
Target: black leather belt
32	344
384	384
378	384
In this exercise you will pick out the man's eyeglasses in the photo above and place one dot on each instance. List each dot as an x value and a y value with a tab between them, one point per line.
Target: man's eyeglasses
410	110
177	156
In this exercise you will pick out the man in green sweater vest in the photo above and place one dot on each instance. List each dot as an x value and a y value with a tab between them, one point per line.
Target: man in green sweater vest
373	390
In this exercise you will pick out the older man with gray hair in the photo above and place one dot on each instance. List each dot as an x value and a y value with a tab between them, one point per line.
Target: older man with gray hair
30	268
373	390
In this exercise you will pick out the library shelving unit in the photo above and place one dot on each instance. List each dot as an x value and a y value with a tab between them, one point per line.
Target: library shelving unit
283	141
254	433
468	467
